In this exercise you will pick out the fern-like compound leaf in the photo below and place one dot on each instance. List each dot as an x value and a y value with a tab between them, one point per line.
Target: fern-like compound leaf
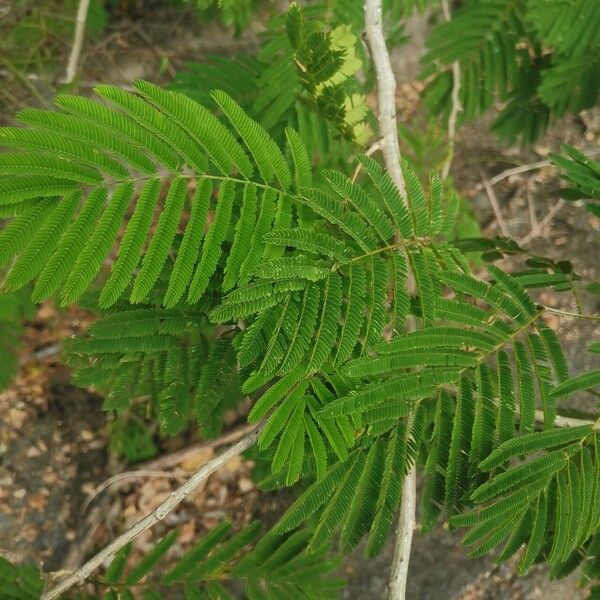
97	246
132	243
327	326
214	138
524	444
211	248
42	244
161	242
581	382
362	203
318	243
390	196
269	158
242	238
187	256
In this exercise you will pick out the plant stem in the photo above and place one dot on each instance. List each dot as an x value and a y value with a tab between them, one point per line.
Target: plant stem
82	12
155	516
404	532
560	421
386	93
456	105
386	103
575	315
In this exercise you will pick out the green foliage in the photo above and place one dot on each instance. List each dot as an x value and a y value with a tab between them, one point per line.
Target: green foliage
271	566
346	313
583	174
277	566
358	495
19	582
325	61
465	427
310	288
73	260
302	65
233	13
557	491
156	364
13	309
539	57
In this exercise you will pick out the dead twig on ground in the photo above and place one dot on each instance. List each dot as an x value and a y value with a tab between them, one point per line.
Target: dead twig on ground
158	466
529	167
489	190
176	497
538	228
175	458
127	476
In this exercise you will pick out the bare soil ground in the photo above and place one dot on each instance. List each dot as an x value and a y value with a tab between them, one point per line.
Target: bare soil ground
52	435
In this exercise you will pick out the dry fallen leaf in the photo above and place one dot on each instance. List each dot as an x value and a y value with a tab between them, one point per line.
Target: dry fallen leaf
50	477
245	485
152	493
230	468
553	321
86	435
187	532
38	500
20	493
33	452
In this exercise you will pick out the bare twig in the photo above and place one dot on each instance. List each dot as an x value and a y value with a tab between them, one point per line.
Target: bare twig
520	169
376	145
489	190
176	458
128	475
538	229
456	105
531	206
575	315
82	12
529	167
386	102
155	516
156	467
560	421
